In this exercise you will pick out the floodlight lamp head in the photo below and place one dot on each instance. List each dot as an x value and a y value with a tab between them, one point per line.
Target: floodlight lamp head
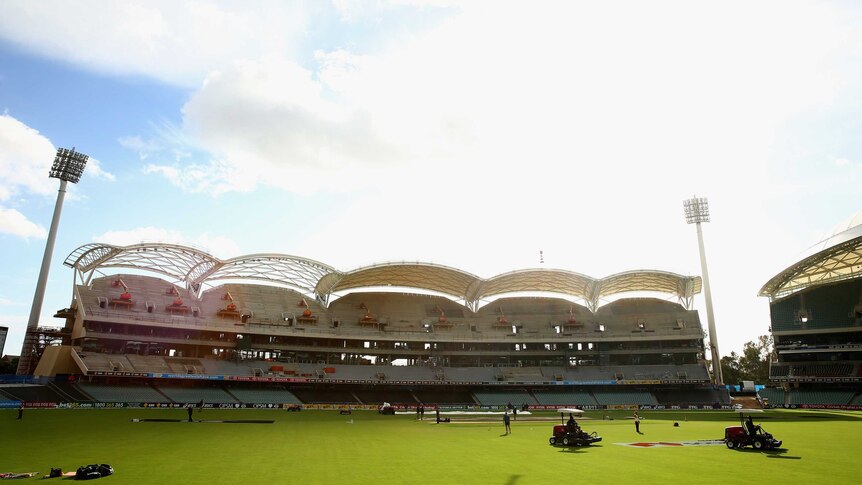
68	165
696	210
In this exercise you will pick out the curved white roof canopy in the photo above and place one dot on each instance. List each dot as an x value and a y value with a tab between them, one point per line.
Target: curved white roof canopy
195	268
472	290
174	261
425	276
837	258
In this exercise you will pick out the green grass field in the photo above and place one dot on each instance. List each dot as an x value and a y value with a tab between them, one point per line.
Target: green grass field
366	448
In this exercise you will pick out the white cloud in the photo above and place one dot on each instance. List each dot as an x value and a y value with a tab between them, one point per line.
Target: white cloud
138	144
177	42
214	178
220	246
271	122
568	89
356	10
15	223
549	95
848	167
168	143
565	87
94	169
25	159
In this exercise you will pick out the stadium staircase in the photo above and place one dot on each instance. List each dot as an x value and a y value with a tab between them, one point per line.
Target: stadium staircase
775	396
153	387
231	394
70	392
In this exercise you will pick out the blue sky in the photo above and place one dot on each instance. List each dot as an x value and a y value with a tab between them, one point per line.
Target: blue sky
470	134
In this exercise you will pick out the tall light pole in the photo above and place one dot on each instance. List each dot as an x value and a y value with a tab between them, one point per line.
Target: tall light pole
68	167
697	211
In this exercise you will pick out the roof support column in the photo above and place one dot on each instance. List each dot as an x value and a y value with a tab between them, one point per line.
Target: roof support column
594	290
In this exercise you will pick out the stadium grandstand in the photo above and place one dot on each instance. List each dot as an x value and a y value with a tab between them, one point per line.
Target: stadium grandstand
816	323
164	324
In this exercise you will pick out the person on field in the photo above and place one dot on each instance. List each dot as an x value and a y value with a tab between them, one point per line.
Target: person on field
191	410
571	424
507	423
21	410
750	426
637	420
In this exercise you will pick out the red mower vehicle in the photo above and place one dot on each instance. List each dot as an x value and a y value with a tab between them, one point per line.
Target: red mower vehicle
572	434
749	434
386	409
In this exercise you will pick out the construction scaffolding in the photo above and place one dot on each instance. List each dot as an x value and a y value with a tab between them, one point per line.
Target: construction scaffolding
35	342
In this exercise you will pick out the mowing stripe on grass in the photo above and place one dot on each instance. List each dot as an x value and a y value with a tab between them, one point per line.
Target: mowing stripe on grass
659	444
240	421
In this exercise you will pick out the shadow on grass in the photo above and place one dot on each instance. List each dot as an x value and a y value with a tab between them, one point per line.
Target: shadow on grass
776	453
780	453
577	449
513	480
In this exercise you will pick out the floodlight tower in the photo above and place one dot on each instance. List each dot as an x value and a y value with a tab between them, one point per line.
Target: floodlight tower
68	167
697	211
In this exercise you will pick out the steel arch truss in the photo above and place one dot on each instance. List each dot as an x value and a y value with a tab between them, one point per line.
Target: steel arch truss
839	262
298	273
174	261
193	267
